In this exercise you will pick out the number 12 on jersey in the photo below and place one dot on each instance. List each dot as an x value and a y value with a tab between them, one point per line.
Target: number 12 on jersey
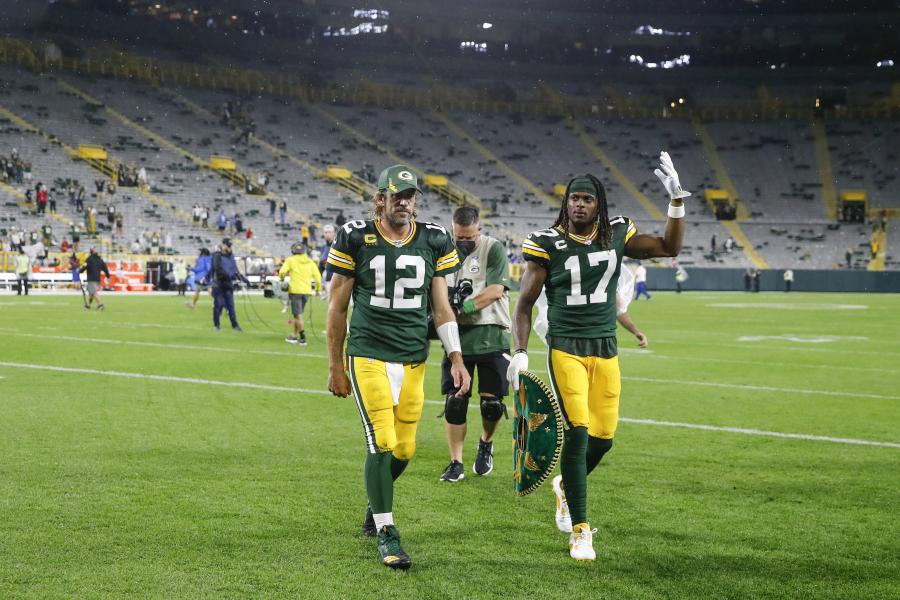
573	265
380	299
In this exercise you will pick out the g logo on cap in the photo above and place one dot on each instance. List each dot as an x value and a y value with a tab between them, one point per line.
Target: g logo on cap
405	175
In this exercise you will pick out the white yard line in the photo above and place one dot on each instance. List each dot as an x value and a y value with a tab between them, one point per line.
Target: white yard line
299	354
761	388
743	386
278	388
745	431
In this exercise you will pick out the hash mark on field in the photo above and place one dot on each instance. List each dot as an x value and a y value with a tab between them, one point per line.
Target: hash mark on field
278	388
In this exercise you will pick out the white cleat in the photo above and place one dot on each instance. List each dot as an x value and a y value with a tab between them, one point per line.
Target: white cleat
581	543
563	518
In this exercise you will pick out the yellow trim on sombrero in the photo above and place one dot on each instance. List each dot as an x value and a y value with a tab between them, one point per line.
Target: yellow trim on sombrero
403	242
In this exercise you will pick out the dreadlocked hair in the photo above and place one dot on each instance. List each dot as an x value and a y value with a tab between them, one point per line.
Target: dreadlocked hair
604	229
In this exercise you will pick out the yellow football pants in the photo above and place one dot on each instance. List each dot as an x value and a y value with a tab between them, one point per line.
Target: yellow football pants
588	388
390	397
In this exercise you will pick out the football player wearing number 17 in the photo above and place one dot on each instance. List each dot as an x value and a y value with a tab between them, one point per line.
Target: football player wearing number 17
578	261
390	266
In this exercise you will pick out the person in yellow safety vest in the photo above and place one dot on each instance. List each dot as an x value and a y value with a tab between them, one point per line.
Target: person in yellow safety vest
303	270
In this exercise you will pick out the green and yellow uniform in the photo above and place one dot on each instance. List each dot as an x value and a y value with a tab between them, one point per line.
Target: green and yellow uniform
388	344
582	277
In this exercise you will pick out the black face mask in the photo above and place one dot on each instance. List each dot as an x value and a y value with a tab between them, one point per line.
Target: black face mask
466	247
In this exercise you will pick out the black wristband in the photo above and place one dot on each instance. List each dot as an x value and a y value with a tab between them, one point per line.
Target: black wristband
521	350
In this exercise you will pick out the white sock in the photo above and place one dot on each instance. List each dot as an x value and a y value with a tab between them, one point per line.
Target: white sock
383	519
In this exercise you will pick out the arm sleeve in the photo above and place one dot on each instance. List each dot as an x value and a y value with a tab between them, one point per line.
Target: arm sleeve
448	258
342	256
630	229
497	266
283	271
534	251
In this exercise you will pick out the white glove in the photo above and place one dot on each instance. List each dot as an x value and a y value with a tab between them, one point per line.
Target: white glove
517	363
669	177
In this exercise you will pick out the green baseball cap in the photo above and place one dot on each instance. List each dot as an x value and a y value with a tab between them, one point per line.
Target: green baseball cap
398	178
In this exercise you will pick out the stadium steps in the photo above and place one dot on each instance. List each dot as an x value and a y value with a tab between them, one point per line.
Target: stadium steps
553	96
826	176
276	153
721	172
168	144
715	161
71	152
102	167
501	164
453	192
615	171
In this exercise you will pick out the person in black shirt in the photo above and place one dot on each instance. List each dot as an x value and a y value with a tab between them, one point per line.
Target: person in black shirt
94	265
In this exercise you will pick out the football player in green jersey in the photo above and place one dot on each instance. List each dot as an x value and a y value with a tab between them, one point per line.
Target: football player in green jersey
578	261
391	266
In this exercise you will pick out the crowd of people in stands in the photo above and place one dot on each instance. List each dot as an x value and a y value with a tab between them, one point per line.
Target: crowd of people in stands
14	169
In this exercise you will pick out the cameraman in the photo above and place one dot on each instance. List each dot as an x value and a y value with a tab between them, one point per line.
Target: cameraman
222	276
479	295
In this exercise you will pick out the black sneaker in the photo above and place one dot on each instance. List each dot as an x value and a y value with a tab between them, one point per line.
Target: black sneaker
368	524
392	555
484	460
454	472
100	307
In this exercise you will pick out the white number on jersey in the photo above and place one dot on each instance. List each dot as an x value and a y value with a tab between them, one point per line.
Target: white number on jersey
349	226
573	264
380	299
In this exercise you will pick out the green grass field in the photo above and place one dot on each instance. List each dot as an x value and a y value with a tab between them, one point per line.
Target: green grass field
231	474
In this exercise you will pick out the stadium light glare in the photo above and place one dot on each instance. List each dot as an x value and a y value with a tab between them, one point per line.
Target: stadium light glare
887	62
487	25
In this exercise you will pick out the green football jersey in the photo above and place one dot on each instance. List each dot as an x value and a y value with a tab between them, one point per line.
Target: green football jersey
581	280
392	286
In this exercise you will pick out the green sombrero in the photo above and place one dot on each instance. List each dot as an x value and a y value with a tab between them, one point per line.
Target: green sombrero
537	433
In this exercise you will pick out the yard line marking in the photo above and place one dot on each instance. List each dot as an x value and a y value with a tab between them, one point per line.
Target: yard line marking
787	306
762	363
12	331
311	355
746	431
238	384
71	338
748	386
754	347
762	388
821	339
320	392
